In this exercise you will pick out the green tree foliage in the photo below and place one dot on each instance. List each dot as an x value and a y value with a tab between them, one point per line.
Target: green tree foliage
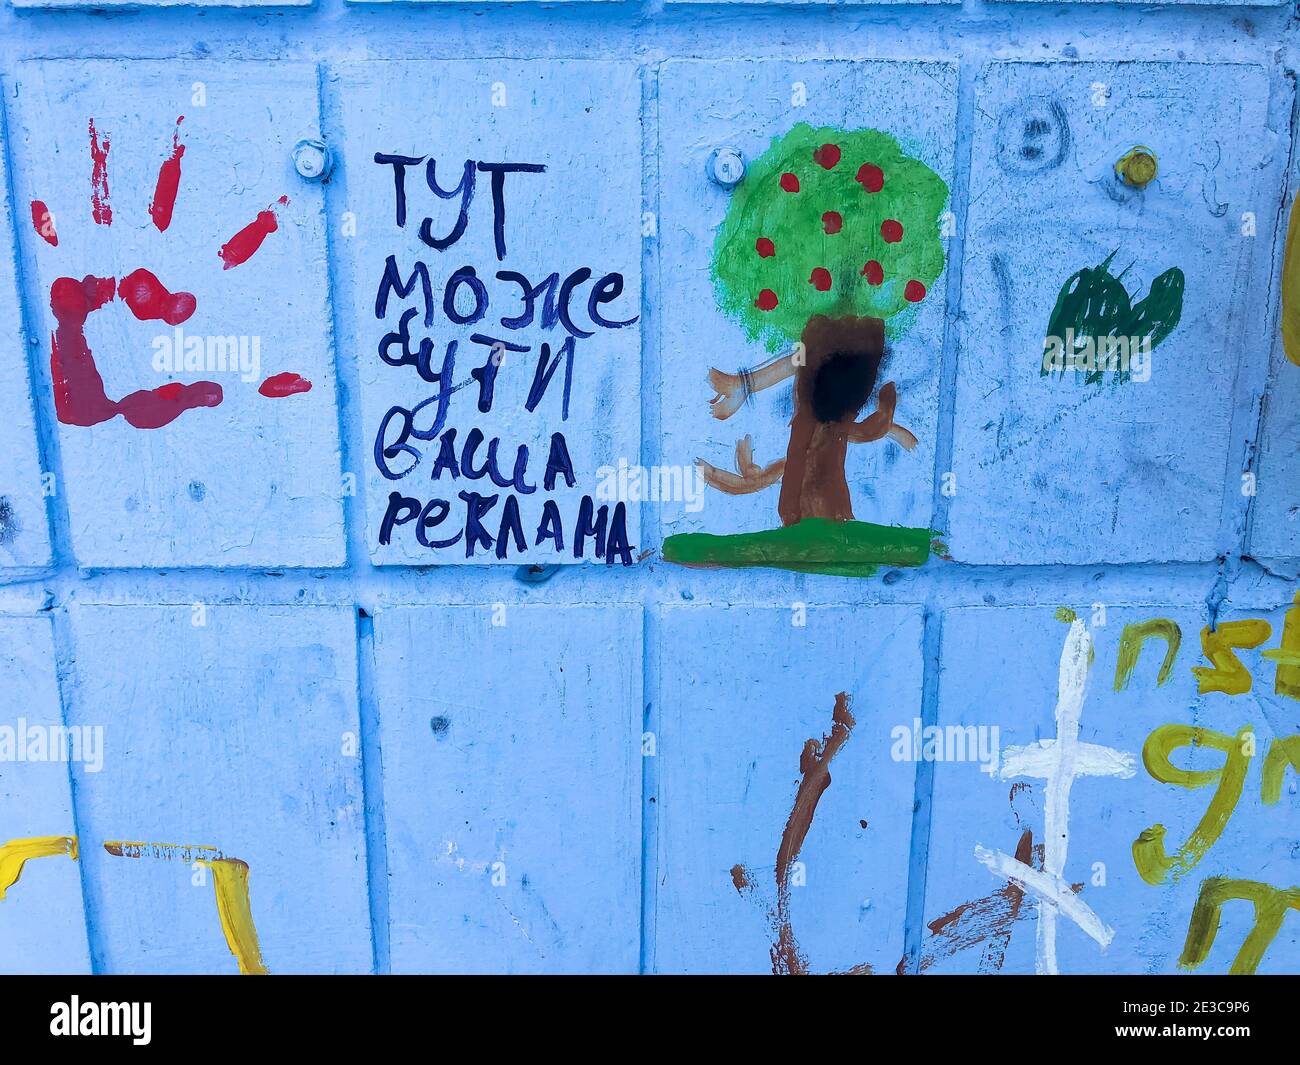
833	222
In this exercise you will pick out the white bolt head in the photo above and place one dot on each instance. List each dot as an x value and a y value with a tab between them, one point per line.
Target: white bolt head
311	158
726	167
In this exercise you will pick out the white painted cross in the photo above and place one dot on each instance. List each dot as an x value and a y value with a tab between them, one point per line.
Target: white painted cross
1058	762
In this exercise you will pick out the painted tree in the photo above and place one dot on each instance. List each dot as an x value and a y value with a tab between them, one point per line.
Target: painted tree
830	243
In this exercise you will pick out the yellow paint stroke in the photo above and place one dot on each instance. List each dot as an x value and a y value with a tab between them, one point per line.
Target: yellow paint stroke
1290	284
1228	674
1287	656
230	881
186	852
1270	904
1153	864
1135	637
18	852
1281	753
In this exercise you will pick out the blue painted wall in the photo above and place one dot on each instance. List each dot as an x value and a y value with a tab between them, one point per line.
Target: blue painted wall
432	764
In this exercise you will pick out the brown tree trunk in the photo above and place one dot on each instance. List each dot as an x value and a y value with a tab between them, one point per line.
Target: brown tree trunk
841	359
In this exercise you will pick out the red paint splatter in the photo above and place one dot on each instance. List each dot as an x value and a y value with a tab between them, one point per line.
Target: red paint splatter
766	301
284	384
154	408
765	248
874	273
79	397
820	279
832	221
870	177
99	206
241	247
169	180
150	301
914	292
891	231
78	389
43	223
827	156
789	182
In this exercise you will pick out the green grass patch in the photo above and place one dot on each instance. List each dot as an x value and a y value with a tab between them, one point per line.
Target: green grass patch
814	545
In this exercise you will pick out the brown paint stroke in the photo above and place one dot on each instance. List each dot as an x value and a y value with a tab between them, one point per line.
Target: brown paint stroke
814	765
814	484
186	852
749	477
986	921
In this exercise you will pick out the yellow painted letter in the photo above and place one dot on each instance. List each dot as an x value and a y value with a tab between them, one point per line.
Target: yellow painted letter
1228	674
1153	864
1270	903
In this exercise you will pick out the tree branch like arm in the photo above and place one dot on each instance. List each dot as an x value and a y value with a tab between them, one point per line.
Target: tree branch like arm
734	388
750	476
880	423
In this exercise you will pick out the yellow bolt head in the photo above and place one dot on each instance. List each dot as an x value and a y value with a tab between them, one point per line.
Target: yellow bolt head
1137	167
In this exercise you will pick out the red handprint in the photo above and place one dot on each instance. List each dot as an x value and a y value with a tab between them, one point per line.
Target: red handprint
79	396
